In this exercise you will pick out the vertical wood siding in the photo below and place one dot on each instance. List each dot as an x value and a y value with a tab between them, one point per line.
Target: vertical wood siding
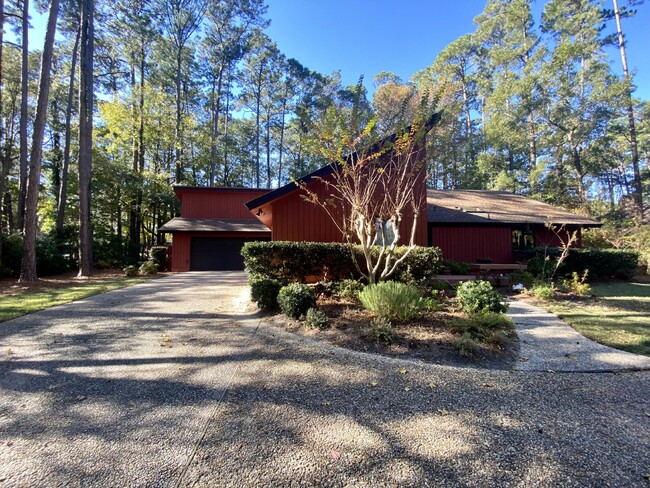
545	238
217	203
471	243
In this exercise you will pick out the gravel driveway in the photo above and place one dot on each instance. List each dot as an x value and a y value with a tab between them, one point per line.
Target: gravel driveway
172	383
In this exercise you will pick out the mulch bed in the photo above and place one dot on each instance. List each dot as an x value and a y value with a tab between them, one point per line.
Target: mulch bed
426	339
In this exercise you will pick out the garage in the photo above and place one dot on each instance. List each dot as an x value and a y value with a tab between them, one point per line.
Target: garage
217	253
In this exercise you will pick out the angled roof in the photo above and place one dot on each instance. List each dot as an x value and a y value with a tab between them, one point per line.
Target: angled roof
184	224
496	207
324	171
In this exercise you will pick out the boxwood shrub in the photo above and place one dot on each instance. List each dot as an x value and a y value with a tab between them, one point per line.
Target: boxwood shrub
295	299
480	297
290	262
265	293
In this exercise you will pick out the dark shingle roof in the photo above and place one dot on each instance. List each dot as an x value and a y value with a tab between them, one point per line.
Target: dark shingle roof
496	207
183	224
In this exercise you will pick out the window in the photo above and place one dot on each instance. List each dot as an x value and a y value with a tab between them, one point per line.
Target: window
523	239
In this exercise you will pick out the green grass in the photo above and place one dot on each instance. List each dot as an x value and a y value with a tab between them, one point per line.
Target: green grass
12	306
619	316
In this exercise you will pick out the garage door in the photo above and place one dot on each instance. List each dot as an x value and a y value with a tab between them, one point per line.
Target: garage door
217	253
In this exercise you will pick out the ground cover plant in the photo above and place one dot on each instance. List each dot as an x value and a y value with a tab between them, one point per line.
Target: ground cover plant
618	315
21	299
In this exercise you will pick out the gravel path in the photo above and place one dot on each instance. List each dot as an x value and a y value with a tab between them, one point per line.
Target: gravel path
547	343
92	396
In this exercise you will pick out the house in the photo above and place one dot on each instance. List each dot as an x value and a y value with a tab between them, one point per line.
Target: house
467	225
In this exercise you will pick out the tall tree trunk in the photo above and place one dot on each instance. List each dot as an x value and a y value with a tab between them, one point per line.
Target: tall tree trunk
226	170
63	190
282	122
4	164
28	266
634	148
258	94
134	211
177	129
86	94
24	85
214	132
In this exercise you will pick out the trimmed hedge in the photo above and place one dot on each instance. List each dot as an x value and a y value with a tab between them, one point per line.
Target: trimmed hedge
602	264
290	262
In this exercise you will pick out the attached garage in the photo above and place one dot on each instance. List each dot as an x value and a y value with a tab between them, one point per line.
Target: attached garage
212	244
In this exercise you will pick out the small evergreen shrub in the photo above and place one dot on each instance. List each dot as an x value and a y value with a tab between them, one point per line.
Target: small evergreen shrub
316	319
158	254
392	300
131	271
465	345
349	289
381	330
480	297
295	299
148	268
542	290
264	292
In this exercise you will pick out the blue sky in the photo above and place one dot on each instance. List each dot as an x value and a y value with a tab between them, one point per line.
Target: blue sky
365	37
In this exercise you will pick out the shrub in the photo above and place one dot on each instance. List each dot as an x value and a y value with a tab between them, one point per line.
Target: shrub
456	267
381	330
296	261
316	319
576	284
465	345
542	290
392	300
489	327
131	271
479	297
601	263
148	268
158	254
265	293
295	299
349	289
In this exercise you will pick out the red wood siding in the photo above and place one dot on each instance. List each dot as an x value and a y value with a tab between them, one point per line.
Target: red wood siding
546	238
182	242
217	203
471	243
295	219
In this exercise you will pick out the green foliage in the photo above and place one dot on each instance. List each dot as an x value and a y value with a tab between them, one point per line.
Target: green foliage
479	297
576	284
456	267
158	254
295	299
524	277
316	319
131	271
432	304
296	261
489	328
465	344
392	300
381	330
264	292
602	264
52	255
349	289
543	290
148	268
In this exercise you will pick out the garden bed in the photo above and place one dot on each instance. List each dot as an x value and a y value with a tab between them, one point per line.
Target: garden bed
427	338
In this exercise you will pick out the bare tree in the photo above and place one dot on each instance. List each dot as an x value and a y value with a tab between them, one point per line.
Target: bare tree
85	136
376	195
28	266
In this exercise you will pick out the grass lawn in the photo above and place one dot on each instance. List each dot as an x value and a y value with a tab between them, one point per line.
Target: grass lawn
17	300
619	316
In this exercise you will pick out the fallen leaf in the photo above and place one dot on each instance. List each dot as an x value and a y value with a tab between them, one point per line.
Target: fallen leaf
523	359
373	384
443	411
488	385
335	455
10	443
80	398
406	388
433	385
570	356
166	339
9	352
403	371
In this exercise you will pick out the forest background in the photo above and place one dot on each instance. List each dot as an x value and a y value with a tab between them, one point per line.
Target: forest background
145	94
